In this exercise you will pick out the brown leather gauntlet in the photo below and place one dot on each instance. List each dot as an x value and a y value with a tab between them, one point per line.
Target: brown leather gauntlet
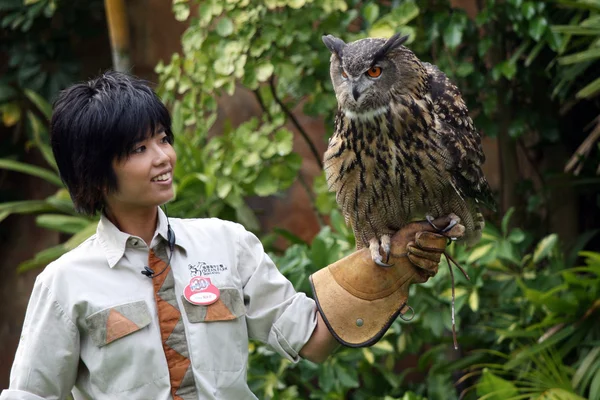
359	300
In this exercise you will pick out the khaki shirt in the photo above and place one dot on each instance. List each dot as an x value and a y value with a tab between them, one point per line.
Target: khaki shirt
92	324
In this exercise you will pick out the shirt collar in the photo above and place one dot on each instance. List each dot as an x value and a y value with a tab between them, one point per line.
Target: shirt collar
114	241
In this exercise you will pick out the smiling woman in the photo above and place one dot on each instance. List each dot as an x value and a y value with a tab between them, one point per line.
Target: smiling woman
92	315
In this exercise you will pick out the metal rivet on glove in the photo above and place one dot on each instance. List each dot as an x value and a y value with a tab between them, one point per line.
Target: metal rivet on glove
359	322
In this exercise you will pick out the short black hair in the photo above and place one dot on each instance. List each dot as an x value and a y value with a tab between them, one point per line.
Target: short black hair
97	121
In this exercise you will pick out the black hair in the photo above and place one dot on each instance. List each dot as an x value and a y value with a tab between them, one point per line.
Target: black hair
94	123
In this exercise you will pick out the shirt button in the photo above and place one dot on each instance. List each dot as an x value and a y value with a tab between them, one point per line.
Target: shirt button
134	242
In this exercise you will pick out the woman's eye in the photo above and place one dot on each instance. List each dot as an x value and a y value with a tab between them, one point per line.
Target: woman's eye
165	139
138	150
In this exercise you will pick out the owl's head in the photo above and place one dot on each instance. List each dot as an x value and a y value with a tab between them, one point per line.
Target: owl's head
367	72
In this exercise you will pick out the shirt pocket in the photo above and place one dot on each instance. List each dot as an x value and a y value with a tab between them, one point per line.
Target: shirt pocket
218	331
110	324
119	338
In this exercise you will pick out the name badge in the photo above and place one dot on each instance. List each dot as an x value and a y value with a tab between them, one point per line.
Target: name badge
200	291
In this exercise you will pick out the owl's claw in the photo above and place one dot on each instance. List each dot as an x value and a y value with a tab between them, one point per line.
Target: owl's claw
382	264
374	248
452	224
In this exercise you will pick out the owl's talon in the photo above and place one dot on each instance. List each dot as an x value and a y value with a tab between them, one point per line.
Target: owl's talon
451	225
386	244
430	219
382	264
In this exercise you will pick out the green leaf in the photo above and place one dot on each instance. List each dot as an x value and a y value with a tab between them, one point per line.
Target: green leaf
516	236
494	387
371	12
296	4
348	378
382	29
7	93
246	217
30	170
479	252
545	247
62	223
82	235
474	301
575	30
528	9
506	220
537	27
465	69
508	69
404	13
26	207
318	252
42	258
368	354
265	185
590	90
40	103
582	56
595	386
37	130
264	71
225	27
181	11
453	35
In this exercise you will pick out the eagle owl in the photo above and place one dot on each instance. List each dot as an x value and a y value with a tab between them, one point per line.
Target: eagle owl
403	147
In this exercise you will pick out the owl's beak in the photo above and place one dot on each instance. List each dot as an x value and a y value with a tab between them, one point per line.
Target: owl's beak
355	92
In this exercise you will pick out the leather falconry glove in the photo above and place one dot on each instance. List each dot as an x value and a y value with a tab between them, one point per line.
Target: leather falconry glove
359	300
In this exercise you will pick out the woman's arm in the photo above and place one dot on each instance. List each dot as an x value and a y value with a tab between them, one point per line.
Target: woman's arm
321	344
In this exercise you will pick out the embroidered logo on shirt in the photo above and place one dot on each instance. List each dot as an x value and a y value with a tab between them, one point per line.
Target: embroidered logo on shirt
203	269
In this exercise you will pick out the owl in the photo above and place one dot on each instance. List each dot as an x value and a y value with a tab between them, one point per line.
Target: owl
403	148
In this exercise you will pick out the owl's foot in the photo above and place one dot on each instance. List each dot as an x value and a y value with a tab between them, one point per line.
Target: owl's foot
453	222
374	247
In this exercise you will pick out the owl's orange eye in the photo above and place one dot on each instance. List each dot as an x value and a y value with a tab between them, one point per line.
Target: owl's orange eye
374	72
344	74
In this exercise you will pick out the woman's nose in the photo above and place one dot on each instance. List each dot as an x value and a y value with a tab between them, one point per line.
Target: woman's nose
161	156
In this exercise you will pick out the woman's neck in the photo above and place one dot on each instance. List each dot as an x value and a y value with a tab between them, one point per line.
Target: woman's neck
137	222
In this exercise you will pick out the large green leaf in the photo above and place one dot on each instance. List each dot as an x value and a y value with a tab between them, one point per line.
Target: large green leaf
590	90
26	207
545	247
29	169
492	387
42	258
62	223
587	55
40	103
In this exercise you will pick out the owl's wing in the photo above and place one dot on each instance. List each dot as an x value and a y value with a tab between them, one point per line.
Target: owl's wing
459	138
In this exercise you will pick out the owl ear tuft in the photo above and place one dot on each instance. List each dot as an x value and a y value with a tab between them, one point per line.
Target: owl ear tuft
335	45
391	44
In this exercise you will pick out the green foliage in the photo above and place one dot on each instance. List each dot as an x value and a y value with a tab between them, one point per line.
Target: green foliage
56	212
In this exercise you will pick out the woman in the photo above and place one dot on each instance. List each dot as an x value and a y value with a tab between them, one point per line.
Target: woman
99	327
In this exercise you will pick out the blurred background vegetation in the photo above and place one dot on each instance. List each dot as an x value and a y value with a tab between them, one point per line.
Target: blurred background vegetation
248	86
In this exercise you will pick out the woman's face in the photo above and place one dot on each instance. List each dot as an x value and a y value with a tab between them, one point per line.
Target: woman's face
145	177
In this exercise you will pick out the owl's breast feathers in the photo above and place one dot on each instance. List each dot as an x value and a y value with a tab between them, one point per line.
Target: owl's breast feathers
382	170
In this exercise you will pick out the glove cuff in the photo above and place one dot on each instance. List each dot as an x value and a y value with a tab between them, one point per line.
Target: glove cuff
359	300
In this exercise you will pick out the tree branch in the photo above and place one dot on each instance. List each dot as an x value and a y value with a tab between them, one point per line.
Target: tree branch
291	116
